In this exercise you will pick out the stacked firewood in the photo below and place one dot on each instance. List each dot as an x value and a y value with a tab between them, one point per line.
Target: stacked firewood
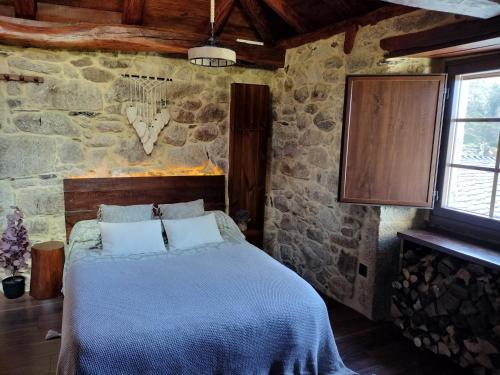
450	307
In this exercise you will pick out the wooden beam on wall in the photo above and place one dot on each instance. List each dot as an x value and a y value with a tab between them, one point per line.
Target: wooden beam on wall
451	38
288	14
350	38
25	9
370	18
258	18
125	38
132	12
223	9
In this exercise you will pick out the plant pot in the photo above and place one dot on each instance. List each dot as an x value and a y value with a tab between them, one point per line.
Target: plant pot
13	287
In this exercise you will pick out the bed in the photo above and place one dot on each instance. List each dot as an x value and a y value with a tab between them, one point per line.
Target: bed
223	308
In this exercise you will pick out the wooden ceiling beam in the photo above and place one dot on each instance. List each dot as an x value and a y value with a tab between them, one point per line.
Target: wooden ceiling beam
466	35
350	38
125	38
288	14
370	18
132	12
258	18
223	9
25	9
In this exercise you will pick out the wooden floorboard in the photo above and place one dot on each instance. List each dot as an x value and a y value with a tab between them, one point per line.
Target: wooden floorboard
371	348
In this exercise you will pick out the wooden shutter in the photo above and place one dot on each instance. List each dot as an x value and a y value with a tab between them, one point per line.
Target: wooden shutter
390	141
249	135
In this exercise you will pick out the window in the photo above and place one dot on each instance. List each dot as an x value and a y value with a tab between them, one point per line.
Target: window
469	185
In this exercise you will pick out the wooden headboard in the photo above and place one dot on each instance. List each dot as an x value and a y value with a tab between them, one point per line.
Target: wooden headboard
82	196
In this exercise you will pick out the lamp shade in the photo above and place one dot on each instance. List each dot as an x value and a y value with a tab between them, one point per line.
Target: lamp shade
211	55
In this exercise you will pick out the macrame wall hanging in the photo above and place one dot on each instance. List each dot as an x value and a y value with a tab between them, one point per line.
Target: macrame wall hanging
148	112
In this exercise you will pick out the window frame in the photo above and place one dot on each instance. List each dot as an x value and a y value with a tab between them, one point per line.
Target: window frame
455	221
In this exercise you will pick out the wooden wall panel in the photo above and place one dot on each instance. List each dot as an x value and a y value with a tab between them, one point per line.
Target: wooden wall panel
82	196
391	135
249	136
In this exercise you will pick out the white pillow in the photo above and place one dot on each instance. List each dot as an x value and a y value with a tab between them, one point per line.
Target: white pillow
195	231
132	238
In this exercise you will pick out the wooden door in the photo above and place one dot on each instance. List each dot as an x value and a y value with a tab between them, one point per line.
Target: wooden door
390	141
249	135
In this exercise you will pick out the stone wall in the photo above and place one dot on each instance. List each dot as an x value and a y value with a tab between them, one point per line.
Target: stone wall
321	239
73	124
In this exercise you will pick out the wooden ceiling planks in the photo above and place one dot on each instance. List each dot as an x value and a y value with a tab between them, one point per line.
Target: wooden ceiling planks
109	5
256	13
239	26
287	10
370	18
62	13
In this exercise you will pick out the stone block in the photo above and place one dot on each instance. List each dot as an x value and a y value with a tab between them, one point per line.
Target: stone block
318	157
206	133
212	113
102	140
25	155
71	152
48	123
81	62
110	126
21	63
71	95
97	75
6	198
175	135
182	116
187	156
114	62
40	201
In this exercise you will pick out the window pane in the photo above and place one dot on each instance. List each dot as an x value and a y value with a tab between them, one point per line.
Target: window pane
475	143
496	213
470	191
479	97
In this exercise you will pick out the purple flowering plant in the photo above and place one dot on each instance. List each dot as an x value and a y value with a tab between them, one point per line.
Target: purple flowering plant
15	244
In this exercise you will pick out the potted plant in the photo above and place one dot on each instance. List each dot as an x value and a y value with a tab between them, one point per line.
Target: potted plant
14	254
242	217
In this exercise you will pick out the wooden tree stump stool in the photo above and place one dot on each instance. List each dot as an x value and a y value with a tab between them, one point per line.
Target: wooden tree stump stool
47	262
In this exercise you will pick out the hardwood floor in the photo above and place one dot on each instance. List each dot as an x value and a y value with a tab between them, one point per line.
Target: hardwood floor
366	346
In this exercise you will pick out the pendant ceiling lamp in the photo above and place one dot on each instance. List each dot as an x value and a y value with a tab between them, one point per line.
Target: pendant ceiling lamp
211	54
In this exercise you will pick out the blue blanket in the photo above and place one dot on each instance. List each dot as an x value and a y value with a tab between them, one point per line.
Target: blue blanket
228	310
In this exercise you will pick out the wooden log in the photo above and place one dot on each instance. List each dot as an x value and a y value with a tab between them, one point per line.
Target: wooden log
46	269
124	38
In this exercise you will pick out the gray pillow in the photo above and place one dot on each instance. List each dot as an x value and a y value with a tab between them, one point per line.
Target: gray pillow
125	214
183	210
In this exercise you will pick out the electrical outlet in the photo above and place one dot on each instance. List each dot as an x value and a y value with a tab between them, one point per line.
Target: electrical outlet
363	269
